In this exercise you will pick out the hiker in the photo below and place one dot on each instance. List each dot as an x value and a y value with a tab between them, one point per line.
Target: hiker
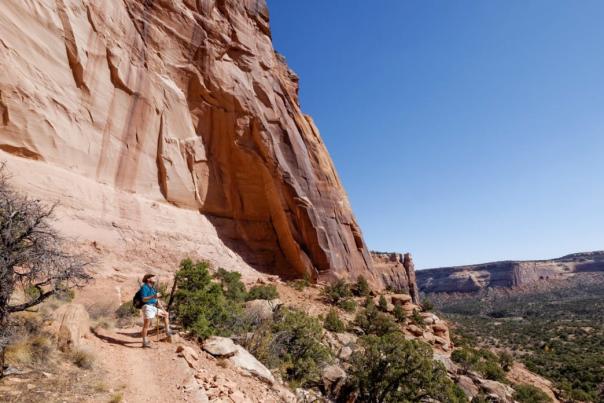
151	307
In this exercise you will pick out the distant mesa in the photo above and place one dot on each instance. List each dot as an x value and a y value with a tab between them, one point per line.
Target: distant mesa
507	274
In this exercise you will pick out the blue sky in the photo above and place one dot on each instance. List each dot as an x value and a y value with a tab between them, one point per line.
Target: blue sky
463	131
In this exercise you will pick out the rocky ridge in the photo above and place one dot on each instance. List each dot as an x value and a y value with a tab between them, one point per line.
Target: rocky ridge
176	125
508	274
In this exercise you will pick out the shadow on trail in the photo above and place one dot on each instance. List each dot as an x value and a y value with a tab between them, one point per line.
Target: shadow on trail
120	342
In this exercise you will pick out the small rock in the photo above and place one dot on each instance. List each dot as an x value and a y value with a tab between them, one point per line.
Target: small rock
345	353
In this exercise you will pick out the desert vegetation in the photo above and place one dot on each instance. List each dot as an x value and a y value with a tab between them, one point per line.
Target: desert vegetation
558	333
34	258
385	366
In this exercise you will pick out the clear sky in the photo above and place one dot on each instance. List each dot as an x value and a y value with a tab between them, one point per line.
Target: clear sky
463	131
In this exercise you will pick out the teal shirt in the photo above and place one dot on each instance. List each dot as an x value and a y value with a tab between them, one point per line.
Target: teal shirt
147	291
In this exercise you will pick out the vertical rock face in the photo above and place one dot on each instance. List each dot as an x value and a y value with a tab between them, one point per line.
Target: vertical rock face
396	271
184	102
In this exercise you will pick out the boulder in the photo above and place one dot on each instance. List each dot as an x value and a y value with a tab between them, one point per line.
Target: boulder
220	346
400	299
415	330
440	328
333	378
503	392
190	355
74	323
345	353
261	309
244	360
467	385
346	338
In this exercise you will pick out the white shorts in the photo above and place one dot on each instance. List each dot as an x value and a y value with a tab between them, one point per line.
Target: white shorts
150	311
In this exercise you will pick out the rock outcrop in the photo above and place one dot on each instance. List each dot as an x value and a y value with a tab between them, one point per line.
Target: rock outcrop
508	274
397	272
125	108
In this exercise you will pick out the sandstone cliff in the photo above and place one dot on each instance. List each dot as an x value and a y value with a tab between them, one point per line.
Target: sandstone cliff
172	123
396	271
508	274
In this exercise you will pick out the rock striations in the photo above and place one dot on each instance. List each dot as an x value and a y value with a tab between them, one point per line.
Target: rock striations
183	103
508	274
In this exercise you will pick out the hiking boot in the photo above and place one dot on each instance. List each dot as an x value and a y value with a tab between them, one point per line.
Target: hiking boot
146	344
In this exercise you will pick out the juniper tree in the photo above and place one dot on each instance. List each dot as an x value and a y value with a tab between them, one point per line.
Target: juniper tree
32	256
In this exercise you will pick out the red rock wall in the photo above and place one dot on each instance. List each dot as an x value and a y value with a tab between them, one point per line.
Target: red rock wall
183	102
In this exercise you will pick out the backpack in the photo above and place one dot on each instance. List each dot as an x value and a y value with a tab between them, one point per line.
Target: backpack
137	300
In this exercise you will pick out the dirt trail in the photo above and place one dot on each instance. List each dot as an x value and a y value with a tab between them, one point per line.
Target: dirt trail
141	375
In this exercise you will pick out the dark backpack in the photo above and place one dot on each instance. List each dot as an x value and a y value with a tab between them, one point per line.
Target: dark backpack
137	300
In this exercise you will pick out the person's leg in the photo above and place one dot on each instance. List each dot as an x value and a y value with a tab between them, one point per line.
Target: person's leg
146	323
164	315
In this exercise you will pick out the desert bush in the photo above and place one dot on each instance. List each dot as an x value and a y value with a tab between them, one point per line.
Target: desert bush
337	292
361	287
82	359
382	303
372	321
333	323
482	361
530	394
399	313
116	398
390	368
297	344
268	292
349	305
301	283
126	310
201	304
233	287
29	350
417	319
506	360
32	254
427	305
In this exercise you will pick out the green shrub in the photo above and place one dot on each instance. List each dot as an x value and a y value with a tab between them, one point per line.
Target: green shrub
268	291
349	305
390	368
297	344
399	313
530	394
333	323
427	305
372	321
301	283
337	292
201	304
482	361
231	283
126	310
382	303
417	319
361	287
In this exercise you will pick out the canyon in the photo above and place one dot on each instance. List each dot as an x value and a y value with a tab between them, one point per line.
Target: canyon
509	274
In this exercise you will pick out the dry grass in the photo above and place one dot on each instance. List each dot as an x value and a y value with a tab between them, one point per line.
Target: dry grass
29	350
116	398
82	359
